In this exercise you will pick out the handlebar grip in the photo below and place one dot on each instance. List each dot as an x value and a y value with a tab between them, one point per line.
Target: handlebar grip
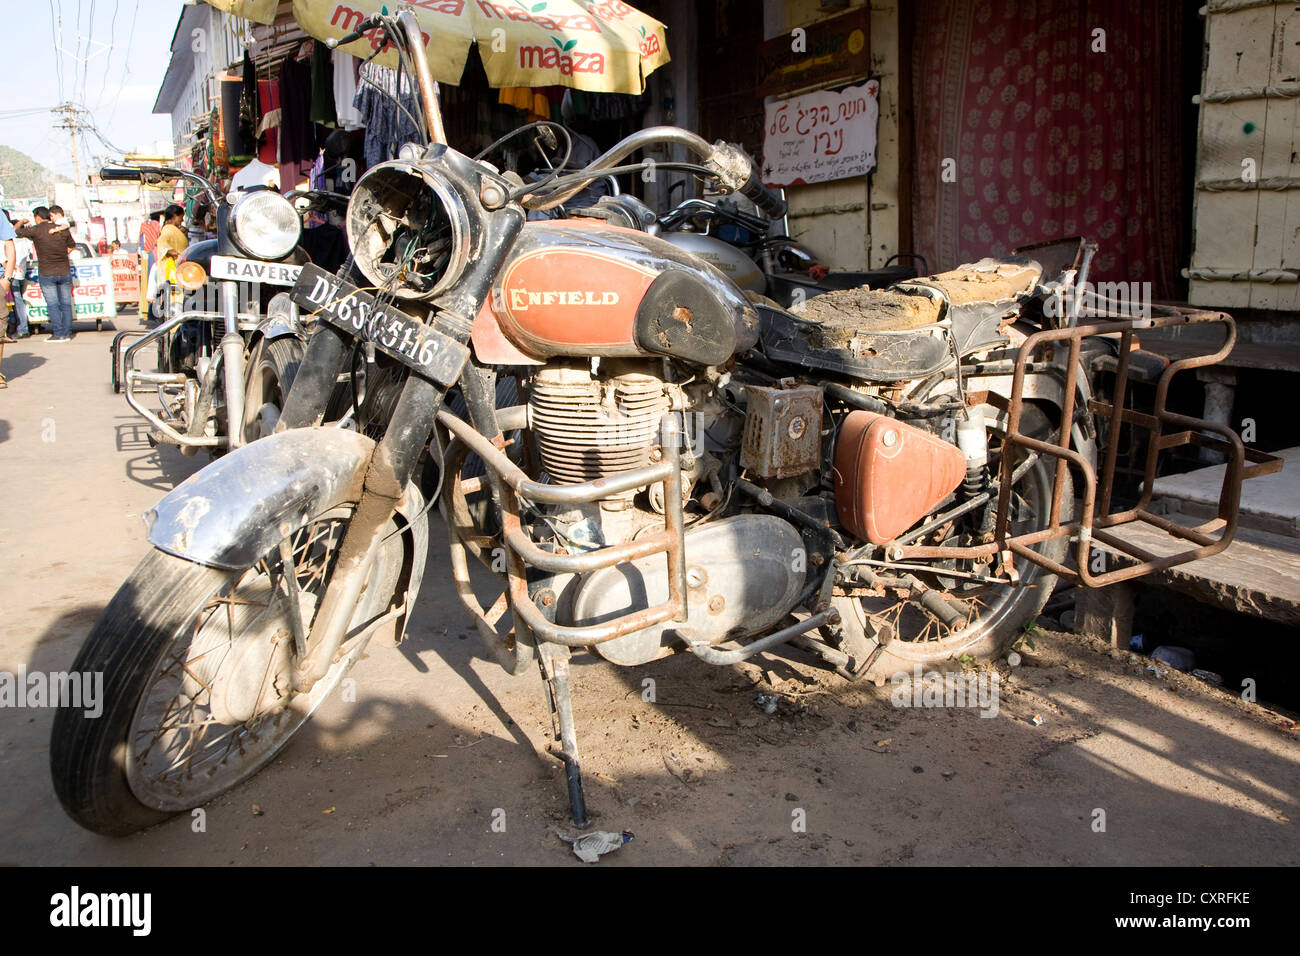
356	34
121	174
762	197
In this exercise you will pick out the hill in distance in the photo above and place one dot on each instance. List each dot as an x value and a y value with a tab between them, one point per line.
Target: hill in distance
23	177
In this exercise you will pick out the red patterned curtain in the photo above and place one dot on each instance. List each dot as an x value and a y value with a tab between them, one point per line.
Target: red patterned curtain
1050	138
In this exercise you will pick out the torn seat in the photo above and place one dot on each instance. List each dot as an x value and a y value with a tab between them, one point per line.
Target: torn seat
910	330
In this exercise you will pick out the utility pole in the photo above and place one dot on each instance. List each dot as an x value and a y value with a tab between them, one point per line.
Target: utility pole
72	123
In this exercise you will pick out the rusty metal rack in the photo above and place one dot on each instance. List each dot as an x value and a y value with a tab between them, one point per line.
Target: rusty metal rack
1166	430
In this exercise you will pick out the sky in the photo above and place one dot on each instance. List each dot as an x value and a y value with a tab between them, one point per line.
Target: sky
114	55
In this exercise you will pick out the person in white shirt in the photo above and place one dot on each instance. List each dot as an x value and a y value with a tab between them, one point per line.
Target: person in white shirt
26	255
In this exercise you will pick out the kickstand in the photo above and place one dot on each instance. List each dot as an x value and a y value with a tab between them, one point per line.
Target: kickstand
554	662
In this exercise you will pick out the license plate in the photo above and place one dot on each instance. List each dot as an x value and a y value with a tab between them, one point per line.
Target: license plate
416	345
251	270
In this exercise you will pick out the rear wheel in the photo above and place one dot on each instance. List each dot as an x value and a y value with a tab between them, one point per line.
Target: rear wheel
895	631
197	661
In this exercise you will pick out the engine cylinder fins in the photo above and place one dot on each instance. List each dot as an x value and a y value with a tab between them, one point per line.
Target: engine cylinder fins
589	427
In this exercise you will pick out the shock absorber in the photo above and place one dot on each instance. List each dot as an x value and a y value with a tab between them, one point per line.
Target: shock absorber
972	439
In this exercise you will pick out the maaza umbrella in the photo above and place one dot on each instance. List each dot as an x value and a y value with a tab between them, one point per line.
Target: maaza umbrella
602	46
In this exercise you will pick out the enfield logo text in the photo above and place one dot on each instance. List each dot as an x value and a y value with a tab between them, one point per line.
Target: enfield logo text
55	689
74	909
936	689
522	299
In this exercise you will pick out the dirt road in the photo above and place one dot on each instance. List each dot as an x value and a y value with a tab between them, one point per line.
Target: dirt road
440	757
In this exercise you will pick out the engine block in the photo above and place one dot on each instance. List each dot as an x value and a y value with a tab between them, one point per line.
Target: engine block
588	426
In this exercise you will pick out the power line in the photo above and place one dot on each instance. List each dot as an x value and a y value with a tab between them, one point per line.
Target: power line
58	51
76	53
90	33
108	60
126	65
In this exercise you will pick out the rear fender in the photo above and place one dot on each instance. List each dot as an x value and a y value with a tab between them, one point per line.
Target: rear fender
1047	389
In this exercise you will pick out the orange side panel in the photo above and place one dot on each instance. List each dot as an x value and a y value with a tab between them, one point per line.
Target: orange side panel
889	475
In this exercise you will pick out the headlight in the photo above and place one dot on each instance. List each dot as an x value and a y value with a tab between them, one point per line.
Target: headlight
265	225
408	229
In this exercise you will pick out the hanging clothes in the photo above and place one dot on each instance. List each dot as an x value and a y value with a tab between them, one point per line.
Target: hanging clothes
344	158
533	102
240	145
387	127
322	85
250	107
297	138
345	90
268	130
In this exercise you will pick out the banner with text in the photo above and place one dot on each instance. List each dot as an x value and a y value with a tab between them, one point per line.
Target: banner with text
92	293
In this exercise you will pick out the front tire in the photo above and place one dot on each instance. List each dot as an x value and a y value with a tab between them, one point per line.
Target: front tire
271	371
195	662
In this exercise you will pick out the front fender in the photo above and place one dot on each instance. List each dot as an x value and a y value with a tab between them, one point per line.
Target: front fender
232	512
274	327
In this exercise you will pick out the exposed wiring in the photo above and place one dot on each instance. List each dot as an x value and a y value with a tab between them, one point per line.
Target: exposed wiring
564	182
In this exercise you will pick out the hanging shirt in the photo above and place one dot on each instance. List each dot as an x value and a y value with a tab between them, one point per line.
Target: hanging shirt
387	127
268	130
322	85
297	138
345	90
149	235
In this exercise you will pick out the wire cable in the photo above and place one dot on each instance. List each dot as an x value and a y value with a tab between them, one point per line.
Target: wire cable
564	182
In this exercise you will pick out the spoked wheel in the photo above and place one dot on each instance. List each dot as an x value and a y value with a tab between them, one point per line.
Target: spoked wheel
271	372
896	631
197	666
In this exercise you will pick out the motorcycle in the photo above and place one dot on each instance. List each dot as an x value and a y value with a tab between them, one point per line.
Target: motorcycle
686	471
230	339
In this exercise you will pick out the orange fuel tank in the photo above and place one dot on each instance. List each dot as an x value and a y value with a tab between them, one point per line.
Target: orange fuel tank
889	475
575	287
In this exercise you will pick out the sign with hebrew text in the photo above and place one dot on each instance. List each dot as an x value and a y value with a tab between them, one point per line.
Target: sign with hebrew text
817	137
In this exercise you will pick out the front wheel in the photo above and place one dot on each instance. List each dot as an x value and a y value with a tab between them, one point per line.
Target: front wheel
271	371
196	665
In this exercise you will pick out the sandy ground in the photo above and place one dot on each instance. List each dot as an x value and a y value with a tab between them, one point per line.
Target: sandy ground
440	758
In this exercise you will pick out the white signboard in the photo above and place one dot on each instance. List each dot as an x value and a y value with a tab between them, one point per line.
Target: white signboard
821	136
92	293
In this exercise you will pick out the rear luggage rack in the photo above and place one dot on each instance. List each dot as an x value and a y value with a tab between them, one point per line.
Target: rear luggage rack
1166	430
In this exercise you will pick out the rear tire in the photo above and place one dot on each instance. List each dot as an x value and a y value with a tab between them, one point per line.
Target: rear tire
998	618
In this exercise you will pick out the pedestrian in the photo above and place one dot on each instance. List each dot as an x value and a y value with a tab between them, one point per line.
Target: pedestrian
172	239
9	265
53	243
114	247
26	262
